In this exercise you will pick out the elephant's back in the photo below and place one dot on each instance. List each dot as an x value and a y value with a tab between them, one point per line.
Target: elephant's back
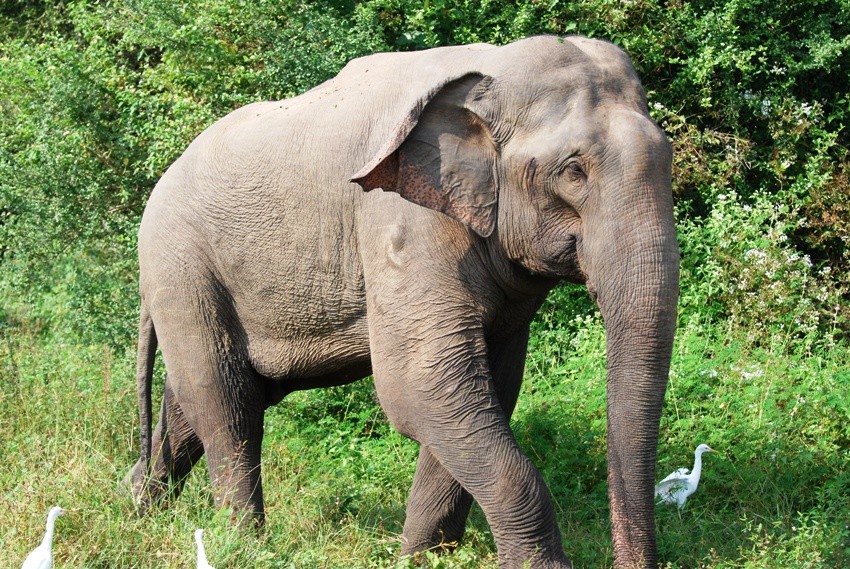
316	141
251	204
234	215
274	176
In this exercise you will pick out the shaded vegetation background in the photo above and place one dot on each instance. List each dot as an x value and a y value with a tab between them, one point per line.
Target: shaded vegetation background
97	98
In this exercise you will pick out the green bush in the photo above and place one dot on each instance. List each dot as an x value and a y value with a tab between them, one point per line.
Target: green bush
740	268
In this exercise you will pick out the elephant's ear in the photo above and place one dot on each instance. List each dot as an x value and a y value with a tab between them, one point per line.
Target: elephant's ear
442	156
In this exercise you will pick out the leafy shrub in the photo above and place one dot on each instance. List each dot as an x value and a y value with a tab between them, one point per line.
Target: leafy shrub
741	264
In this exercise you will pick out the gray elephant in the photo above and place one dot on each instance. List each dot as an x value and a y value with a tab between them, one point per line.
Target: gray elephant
406	219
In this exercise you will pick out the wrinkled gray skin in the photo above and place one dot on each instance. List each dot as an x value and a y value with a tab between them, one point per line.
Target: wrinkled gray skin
406	218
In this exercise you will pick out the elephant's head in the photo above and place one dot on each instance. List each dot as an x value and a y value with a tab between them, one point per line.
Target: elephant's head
547	147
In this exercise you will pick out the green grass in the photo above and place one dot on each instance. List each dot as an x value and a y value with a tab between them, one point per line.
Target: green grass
336	476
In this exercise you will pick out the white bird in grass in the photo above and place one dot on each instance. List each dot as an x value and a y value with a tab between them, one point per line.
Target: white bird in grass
202	556
42	556
676	488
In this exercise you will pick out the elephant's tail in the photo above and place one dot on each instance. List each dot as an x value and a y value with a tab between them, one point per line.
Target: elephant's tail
144	378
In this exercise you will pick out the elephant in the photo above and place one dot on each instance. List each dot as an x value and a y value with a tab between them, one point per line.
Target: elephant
405	220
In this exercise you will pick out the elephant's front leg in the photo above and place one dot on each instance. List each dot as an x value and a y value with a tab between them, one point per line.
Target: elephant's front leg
439	391
438	505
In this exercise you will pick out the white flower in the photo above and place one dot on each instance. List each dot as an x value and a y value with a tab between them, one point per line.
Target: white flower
748	375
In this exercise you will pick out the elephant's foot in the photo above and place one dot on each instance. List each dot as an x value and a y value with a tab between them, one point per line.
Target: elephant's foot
149	492
237	484
415	547
437	509
534	561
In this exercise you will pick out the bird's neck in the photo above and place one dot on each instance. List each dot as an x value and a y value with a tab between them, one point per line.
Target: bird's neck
48	535
202	554
697	465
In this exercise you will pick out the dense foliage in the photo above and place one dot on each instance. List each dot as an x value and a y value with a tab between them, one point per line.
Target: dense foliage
98	97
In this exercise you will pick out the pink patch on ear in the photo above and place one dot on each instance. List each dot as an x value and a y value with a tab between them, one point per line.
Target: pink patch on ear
417	186
384	175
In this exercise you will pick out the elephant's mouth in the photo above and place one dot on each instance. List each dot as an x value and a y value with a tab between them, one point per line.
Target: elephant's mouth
560	260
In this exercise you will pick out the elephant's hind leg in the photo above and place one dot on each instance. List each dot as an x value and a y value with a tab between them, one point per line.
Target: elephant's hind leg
176	448
221	396
233	455
224	406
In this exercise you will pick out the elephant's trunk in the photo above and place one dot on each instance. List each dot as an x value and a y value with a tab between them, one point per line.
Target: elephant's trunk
640	338
634	273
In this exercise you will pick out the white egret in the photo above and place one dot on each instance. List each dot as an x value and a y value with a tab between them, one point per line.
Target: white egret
42	556
676	488
202	555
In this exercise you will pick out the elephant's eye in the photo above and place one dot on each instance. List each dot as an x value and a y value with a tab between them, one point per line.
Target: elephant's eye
574	170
